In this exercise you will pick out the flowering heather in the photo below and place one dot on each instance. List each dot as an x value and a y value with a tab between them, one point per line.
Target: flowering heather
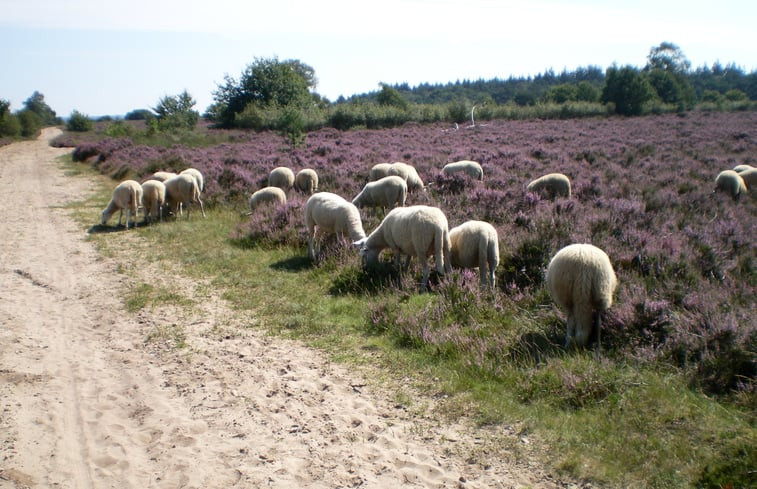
642	191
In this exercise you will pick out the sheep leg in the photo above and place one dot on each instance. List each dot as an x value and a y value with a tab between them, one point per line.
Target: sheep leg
584	320
597	328
570	332
424	279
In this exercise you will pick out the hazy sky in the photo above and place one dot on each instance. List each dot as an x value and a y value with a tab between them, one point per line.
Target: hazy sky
110	57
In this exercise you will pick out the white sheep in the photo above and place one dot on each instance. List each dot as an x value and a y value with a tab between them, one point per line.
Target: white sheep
161	176
742	168
581	281
409	173
379	171
553	184
470	168
306	181
476	244
386	192
730	182
181	191
267	195
281	177
327	213
417	231
749	176
153	198
127	195
197	175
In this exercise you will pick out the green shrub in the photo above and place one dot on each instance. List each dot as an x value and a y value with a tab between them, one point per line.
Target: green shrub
79	122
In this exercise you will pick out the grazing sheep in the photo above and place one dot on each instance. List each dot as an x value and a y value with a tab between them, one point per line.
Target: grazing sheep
328	213
306	181
742	168
581	281
414	231
553	184
281	177
198	176
161	176
409	173
267	195
153	198
475	244
470	168
181	191
386	192
127	195
730	182
379	171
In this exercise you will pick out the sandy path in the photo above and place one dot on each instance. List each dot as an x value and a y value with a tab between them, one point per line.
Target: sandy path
86	402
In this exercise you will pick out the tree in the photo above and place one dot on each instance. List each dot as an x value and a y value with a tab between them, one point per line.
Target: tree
667	70
391	97
176	112
267	83
36	104
628	89
667	57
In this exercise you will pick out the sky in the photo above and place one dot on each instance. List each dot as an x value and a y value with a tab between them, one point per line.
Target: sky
104	57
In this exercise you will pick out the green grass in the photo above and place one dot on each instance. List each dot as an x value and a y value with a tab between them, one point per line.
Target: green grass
617	425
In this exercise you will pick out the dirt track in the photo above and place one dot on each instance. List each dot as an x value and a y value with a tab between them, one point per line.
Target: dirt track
87	402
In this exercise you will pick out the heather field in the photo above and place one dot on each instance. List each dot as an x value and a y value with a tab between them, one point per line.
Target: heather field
643	191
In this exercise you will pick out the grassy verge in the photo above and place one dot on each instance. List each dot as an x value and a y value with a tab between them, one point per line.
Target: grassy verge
602	420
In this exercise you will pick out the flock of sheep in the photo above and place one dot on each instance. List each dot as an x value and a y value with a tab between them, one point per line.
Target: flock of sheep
162	190
580	277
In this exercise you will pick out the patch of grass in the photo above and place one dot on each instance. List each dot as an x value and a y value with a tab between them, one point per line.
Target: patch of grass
144	295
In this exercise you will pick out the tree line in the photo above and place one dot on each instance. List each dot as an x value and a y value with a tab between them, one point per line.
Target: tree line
271	94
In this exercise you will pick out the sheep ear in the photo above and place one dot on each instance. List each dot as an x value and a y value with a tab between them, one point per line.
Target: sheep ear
359	243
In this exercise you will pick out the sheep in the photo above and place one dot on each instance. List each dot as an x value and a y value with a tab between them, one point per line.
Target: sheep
379	171
414	231
127	195
470	168
730	182
161	176
328	213
386	192
306	181
581	281
267	195
197	175
281	177
476	244
182	190
749	176
553	184
153	198
742	168
409	173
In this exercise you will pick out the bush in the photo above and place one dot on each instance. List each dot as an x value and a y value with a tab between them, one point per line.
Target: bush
30	122
628	89
79	122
